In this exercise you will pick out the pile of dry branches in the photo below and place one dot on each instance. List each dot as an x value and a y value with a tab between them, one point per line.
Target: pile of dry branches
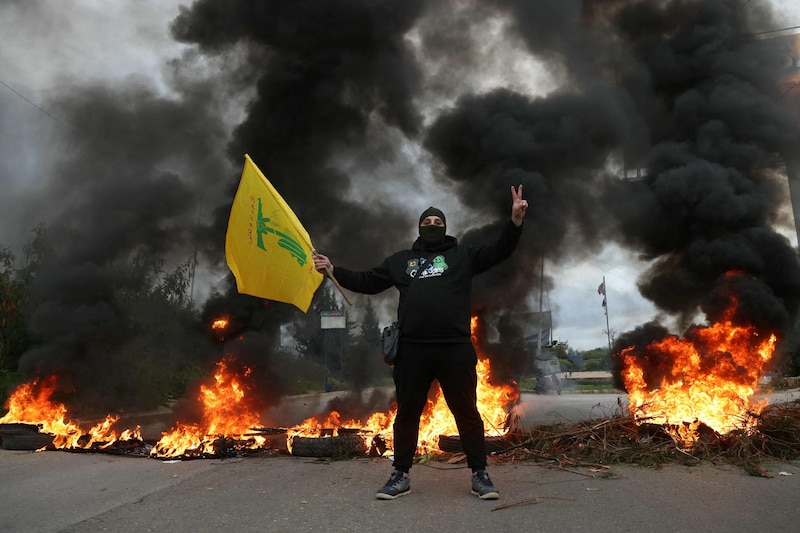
619	440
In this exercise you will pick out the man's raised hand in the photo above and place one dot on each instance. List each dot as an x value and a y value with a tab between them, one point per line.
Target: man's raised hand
518	206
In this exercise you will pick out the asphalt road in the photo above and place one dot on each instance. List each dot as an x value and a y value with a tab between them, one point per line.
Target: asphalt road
76	492
86	492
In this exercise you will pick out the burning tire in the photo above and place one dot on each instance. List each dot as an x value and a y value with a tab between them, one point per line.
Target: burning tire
19	436
341	446
26	441
452	444
274	438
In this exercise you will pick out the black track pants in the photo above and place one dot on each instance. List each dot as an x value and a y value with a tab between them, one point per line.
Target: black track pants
453	365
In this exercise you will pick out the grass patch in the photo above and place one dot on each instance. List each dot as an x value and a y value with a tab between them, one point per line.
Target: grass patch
595	386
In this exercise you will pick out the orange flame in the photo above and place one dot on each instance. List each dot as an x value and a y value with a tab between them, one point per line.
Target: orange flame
31	403
228	411
493	401
219	327
708	378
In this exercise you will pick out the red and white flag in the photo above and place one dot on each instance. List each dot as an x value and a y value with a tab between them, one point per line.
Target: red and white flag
602	289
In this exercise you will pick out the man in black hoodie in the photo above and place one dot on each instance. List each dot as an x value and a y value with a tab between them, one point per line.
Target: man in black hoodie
435	343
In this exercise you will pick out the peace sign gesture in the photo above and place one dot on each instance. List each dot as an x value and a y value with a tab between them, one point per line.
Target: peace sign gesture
518	206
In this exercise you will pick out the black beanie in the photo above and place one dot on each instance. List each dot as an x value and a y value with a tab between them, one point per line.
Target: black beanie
432	211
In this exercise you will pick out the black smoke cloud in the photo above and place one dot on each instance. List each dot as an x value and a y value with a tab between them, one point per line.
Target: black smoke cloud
557	146
326	71
116	209
708	204
678	89
683	92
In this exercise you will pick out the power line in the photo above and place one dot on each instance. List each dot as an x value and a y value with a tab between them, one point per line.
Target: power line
742	7
34	105
795	84
776	31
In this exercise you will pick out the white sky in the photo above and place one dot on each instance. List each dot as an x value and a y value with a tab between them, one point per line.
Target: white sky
102	40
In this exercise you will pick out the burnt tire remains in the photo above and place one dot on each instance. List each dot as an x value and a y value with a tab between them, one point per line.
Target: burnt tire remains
341	446
20	436
26	441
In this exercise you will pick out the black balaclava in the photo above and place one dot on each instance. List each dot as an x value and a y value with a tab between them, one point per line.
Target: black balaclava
432	235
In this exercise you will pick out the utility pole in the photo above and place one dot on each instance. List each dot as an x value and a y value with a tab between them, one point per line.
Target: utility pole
541	294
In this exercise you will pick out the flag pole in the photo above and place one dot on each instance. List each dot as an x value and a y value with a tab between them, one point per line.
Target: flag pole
329	273
541	293
341	291
605	300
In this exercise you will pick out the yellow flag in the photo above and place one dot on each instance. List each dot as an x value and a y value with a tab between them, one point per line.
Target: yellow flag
266	247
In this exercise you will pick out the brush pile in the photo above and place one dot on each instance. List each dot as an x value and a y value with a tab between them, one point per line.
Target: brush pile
619	440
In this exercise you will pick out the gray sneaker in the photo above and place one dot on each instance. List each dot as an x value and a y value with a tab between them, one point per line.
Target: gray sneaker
482	486
399	484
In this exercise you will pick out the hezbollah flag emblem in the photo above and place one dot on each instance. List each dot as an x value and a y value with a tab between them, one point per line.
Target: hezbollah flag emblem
266	247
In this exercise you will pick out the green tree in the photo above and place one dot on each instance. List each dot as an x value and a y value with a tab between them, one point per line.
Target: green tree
364	364
38	249
370	329
15	337
154	360
11	296
145	350
596	359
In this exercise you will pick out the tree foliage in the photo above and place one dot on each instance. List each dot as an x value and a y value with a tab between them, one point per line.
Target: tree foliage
15	281
596	359
370	328
143	344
